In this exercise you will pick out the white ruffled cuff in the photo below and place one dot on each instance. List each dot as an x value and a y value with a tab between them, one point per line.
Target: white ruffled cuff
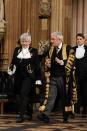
38	82
11	72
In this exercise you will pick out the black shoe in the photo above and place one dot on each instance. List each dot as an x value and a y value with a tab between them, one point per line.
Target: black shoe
19	119
65	121
72	116
43	117
28	117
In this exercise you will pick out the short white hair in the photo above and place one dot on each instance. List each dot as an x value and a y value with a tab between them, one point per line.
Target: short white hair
58	35
25	36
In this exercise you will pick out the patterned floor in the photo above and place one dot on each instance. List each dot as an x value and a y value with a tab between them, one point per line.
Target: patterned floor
7	123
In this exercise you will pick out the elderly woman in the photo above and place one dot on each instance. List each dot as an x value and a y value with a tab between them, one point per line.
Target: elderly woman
25	66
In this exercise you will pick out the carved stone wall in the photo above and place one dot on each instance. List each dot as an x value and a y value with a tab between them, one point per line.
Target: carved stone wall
79	18
2	21
66	16
61	18
44	9
22	16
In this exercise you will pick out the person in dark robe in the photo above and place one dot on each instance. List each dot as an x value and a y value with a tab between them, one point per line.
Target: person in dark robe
81	73
25	66
55	77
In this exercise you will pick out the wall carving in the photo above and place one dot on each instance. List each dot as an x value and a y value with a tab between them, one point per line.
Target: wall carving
43	47
44	9
2	21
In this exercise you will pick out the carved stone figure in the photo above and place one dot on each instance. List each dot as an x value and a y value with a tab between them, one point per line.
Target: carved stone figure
43	47
2	21
44	9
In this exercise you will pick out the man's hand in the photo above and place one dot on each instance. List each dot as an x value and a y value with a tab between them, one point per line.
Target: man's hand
38	82
59	61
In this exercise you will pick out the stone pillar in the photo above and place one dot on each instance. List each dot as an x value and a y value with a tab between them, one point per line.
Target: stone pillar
61	18
57	15
85	17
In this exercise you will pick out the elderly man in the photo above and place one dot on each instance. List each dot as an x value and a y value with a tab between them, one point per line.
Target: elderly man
56	64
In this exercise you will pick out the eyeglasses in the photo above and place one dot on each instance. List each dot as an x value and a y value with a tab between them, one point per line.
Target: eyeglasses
25	41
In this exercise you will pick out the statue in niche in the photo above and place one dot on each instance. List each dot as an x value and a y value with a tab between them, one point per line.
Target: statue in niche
2	21
44	9
43	47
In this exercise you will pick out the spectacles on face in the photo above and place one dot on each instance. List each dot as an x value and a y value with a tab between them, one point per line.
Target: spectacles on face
25	41
55	41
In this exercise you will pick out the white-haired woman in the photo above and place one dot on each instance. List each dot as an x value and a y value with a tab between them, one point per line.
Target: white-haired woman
25	66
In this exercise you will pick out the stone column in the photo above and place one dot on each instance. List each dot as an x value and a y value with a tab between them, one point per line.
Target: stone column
57	15
61	18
